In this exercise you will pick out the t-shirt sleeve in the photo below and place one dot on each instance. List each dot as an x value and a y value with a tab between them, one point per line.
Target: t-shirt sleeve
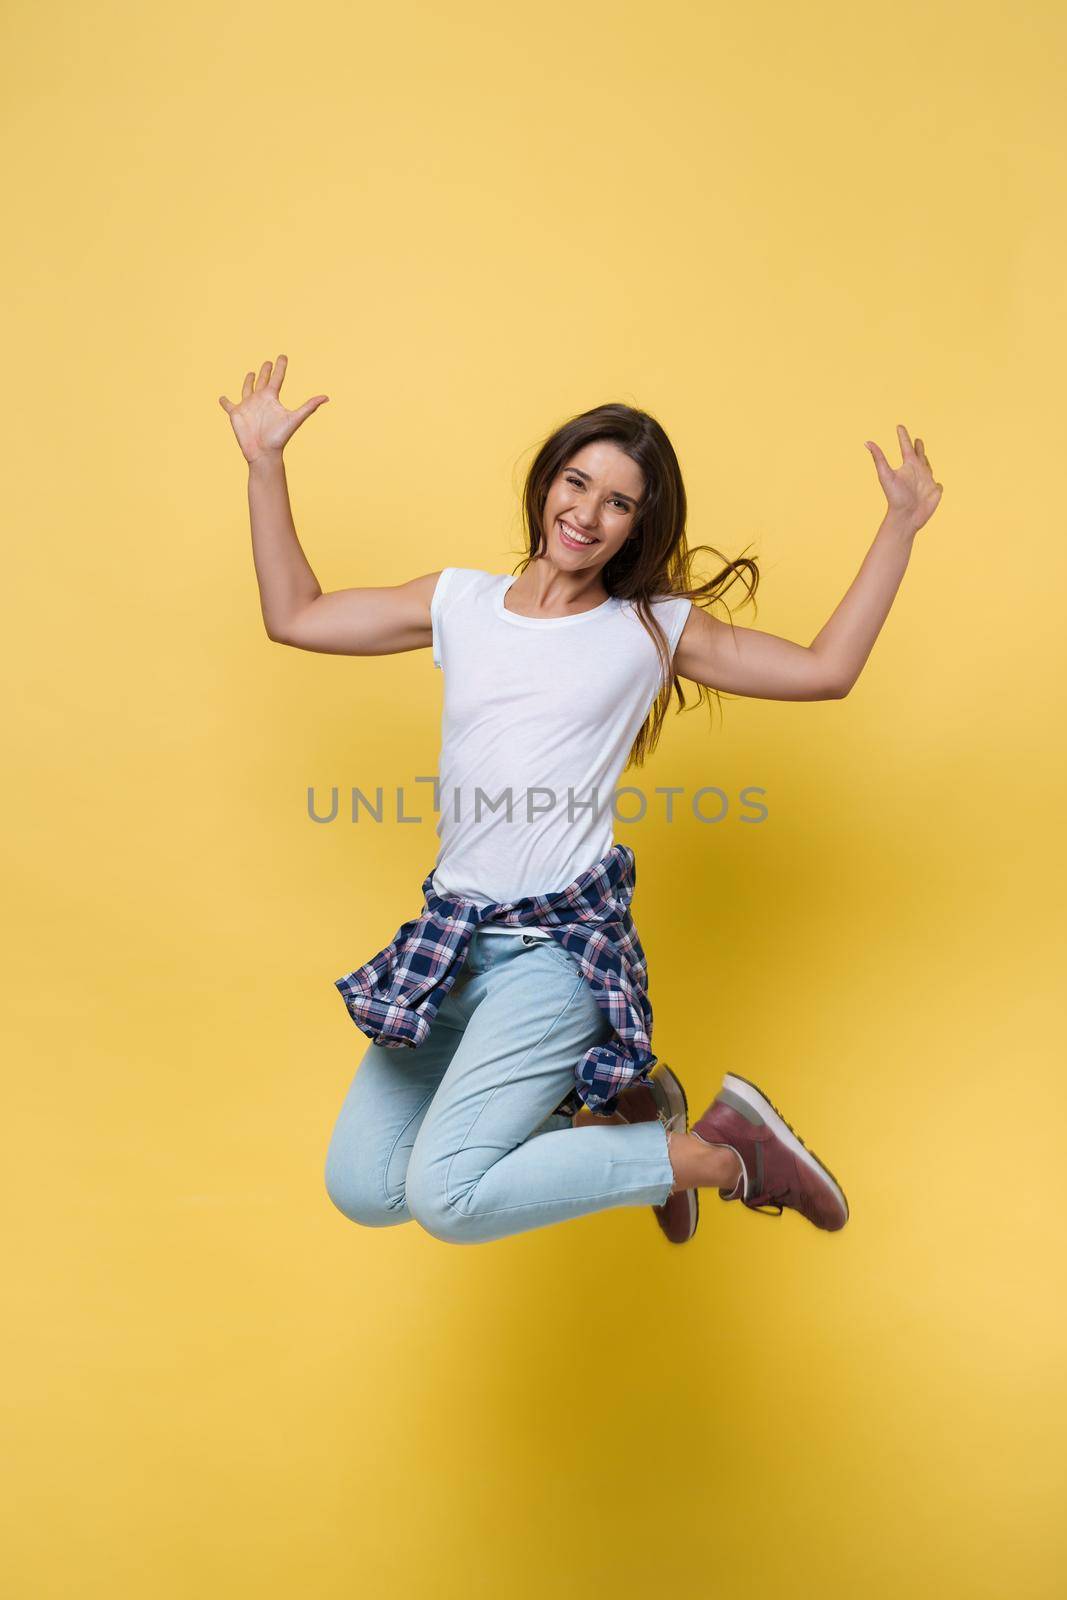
674	617
437	605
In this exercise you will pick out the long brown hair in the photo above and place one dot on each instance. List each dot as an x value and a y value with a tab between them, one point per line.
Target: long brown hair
656	560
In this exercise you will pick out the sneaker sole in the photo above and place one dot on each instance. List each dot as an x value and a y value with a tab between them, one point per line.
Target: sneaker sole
754	1096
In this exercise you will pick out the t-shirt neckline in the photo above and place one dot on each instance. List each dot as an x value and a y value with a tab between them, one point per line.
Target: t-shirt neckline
501	610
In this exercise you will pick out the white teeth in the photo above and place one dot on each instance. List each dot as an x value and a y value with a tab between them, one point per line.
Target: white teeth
569	531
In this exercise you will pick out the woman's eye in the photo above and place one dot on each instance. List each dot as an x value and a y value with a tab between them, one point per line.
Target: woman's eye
576	483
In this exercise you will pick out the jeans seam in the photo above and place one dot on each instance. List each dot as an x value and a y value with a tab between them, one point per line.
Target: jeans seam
561	1013
523	1205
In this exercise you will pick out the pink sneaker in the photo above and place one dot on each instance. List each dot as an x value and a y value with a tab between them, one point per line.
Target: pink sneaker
777	1168
660	1095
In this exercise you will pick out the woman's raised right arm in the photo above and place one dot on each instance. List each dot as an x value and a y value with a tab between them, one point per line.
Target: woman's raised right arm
362	622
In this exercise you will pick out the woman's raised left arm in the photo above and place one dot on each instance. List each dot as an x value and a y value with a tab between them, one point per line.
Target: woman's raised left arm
746	661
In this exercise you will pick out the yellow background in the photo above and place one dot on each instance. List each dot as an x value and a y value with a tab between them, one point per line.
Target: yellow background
782	230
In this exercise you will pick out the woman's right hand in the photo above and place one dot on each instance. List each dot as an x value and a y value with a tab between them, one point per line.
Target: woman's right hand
262	424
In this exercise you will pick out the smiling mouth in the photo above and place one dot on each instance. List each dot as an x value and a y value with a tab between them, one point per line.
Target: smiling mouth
570	536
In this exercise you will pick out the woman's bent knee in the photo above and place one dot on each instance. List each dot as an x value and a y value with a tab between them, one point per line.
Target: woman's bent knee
357	1197
428	1203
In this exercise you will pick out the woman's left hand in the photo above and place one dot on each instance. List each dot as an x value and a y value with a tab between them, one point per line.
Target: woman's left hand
910	489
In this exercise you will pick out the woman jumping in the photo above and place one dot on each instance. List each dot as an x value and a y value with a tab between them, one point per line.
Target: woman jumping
510	1081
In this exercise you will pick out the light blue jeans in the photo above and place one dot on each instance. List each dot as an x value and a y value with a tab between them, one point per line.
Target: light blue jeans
460	1134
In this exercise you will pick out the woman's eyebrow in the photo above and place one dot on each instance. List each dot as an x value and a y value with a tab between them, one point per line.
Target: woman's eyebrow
617	492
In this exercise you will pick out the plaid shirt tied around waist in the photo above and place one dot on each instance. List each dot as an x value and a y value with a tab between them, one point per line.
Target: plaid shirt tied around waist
394	997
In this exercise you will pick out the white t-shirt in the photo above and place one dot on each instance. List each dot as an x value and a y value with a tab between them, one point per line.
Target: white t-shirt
541	712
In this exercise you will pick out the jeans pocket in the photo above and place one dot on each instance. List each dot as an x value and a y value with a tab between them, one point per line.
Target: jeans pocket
556	952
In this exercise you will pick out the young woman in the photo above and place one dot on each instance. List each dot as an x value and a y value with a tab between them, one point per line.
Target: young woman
510	1082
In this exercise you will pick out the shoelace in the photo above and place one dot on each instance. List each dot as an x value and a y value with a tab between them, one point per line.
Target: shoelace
772	1200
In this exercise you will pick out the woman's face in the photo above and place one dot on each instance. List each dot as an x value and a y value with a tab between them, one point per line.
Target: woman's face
597	495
